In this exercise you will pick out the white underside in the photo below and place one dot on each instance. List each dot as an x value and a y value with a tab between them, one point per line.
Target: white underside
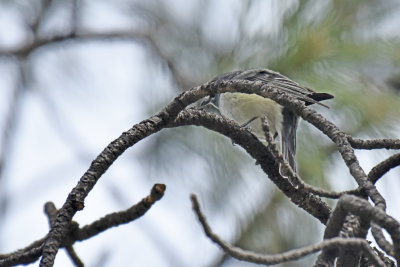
243	107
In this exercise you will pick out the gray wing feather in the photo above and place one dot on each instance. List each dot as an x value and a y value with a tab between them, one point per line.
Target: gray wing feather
278	81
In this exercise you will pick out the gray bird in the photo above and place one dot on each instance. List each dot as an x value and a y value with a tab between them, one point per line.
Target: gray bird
248	109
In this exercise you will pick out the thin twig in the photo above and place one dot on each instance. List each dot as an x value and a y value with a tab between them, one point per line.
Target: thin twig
292	176
374	144
374	175
74	257
380	239
51	211
122	217
383	167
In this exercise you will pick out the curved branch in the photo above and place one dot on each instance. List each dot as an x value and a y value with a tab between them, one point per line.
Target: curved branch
380	239
240	254
350	204
75	200
379	170
374	175
262	154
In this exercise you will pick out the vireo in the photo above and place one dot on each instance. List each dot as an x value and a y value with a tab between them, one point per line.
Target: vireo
248	109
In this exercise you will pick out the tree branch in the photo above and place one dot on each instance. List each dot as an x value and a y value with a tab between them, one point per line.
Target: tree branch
240	254
374	175
122	217
379	170
25	255
374	144
381	240
292	176
350	204
74	257
51	212
263	156
32	252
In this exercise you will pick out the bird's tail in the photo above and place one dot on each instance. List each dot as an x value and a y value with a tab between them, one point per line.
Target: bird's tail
288	139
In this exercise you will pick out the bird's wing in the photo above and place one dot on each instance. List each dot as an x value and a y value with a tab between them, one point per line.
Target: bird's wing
278	81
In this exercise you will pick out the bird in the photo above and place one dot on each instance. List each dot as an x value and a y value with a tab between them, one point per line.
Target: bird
248	109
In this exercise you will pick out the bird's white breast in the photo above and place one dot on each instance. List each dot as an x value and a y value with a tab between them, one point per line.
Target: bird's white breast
243	107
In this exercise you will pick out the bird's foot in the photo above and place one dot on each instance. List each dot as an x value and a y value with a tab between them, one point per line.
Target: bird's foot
246	124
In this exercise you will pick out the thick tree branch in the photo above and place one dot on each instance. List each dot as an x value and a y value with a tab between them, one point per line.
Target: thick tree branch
51	212
350	204
263	156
